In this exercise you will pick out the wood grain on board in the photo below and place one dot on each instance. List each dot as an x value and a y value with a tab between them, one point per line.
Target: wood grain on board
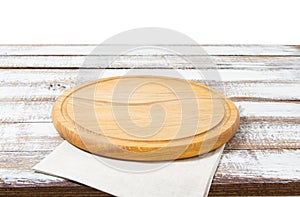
263	81
145	118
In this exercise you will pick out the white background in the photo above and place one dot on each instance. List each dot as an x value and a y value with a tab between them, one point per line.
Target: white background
91	22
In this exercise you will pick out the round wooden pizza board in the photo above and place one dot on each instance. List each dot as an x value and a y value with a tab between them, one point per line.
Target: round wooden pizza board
145	118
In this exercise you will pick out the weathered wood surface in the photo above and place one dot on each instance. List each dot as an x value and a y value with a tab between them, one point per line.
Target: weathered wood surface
253	134
248	50
222	62
262	159
242	171
46	84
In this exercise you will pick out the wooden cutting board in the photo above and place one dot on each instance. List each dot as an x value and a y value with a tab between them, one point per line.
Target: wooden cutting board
145	118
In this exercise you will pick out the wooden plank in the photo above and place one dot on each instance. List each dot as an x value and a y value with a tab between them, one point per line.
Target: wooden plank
267	110
26	137
55	189
67	188
255	189
260	134
25	111
252	62
264	91
19	76
262	166
110	49
236	166
41	111
162	61
43	90
16	168
47	85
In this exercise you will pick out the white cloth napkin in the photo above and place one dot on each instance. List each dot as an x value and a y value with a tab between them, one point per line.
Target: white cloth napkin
189	177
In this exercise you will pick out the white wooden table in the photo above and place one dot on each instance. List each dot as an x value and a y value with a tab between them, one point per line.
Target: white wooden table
263	80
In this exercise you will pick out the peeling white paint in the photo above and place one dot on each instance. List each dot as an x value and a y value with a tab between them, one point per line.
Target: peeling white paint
260	165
